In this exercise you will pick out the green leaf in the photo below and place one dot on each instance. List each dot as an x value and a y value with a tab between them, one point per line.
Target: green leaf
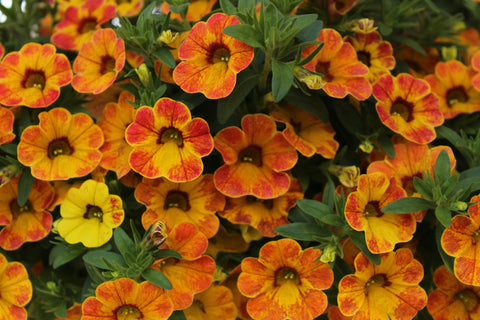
246	5
157	278
282	79
386	145
61	311
165	55
177	315
245	33
443	215
9	148
302	231
314	208
162	253
408	205
97	258
329	194
64	253
442	168
228	7
408	42
310	32
447	260
311	104
125	245
359	239
25	184
423	188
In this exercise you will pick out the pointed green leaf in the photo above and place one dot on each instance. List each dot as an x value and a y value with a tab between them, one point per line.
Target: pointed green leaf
157	278
25	184
97	259
443	215
64	253
177	315
282	79
245	33
359	239
423	188
125	245
165	55
442	168
447	260
227	7
408	205
310	32
302	231
314	208
386	145
162	253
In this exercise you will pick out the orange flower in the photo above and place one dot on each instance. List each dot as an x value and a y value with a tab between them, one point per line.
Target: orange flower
80	22
128	8
307	133
476	67
285	282
419	64
166	73
196	9
167	142
191	274
460	240
61	146
73	313
254	159
98	62
264	215
95	103
452	299
375	53
173	203
31	222
363	213
212	59
214	303
387	291
337	61
225	241
116	118
15	290
407	106
6	126
33	76
126	299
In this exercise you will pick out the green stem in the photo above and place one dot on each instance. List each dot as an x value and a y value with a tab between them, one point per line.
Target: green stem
267	68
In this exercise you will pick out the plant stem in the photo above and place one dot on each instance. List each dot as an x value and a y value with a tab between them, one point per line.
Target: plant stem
267	67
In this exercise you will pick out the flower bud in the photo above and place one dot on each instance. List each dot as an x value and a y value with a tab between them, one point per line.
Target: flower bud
459	206
328	254
348	176
364	26
156	236
311	79
366	146
7	173
143	74
167	37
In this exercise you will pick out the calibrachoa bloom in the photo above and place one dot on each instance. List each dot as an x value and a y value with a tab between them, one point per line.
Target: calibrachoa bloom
173	203
214	303
98	62
452	84
387	291
453	299
196	9
127	8
285	282
212	59
6	125
460	240
80	22
476	66
89	213
33	76
363	212
254	159
167	142
166	73
338	62
307	133
61	146
27	223
407	106
123	299
15	290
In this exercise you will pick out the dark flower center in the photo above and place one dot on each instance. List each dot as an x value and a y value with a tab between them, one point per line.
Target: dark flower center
364	57
177	199
197	304
16	210
168	262
128	312
268	203
122	1
323	67
218	52
403	109
34	79
87	25
286	274
170	134
107	64
407	184
59	146
372	209
251	154
93	212
378	280
469	299
456	95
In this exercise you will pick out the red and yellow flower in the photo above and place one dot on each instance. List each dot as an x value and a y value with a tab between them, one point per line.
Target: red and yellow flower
338	62
476	67
214	303
363	213
255	159
285	282
173	203
387	291
126	299
98	62
6	125
167	142
61	146
166	73
196	9
453	299
33	76
128	8
407	106
211	58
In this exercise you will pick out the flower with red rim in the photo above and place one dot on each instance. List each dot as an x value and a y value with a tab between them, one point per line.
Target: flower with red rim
419	64
211	59
285	282
363	212
460	240
61	146
307	133
6	125
98	62
407	106
263	214
452	85
123	299
255	159
338	62
166	73
173	203
116	118
387	291
80	22
196	9
214	303
33	76
167	142
127	8
476	67
452	299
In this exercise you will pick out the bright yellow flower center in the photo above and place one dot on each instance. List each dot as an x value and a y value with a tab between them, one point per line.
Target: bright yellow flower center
16	210
34	79
59	146
107	64
177	199
285	275
128	313
171	134
403	109
372	209
364	57
378	280
87	25
469	299
251	154
93	212
456	95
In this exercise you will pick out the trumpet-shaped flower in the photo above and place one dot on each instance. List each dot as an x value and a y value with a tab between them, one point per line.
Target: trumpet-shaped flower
125	299
89	213
407	106
196	9
386	291
214	303
255	159
167	142
98	62
15	290
476	67
61	146
127	8
211	59
285	282
33	76
6	125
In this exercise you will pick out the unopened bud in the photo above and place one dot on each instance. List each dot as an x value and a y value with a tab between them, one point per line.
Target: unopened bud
167	37
348	176
329	253
364	26
449	53
143	74
7	173
366	146
156	236
52	286
311	79
460	206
